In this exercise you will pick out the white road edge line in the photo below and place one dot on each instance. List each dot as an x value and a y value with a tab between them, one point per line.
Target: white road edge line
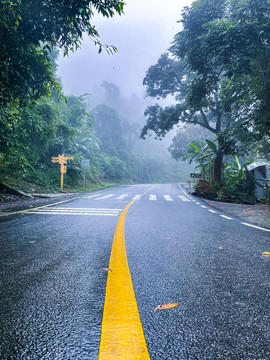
180	187
256	227
226	217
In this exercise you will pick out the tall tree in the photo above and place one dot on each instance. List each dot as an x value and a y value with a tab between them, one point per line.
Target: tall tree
169	77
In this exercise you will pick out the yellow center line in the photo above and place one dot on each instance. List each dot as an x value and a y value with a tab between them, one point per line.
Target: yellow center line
122	336
149	189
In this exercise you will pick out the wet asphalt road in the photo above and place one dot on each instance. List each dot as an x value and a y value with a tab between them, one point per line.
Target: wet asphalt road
53	280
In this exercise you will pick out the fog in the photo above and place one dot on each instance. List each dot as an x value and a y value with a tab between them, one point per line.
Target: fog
141	35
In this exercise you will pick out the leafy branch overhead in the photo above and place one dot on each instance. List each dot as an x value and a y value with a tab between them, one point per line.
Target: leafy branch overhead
30	29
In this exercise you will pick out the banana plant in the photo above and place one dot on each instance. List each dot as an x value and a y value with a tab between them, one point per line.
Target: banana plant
235	170
204	157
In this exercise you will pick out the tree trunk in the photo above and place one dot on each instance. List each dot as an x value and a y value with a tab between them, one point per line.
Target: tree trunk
218	167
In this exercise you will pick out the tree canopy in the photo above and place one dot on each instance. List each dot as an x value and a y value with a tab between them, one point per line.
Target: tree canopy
217	69
229	39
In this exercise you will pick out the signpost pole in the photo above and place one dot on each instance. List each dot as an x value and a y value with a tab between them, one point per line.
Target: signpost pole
62	160
85	164
62	180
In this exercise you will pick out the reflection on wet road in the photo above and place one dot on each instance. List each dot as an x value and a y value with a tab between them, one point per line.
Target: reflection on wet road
53	278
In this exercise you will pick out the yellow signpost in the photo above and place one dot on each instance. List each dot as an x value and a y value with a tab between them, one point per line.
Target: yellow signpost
62	160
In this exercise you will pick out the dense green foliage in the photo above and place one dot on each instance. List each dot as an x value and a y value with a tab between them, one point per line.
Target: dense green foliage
36	122
53	126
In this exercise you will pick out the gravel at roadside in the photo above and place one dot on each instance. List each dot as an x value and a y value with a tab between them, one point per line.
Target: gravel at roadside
15	203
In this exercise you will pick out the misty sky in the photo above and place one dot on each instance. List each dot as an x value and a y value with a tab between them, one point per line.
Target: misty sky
141	35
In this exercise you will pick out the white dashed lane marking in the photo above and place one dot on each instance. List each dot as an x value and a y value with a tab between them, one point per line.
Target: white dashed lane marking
152	197
226	217
223	216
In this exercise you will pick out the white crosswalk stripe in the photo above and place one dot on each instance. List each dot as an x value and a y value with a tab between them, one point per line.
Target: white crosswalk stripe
167	198
122	196
59	210
71	213
105	197
74	211
151	197
183	198
91	196
137	197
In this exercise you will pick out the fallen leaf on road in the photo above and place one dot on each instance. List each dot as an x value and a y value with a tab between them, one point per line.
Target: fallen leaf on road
166	306
108	269
266	253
